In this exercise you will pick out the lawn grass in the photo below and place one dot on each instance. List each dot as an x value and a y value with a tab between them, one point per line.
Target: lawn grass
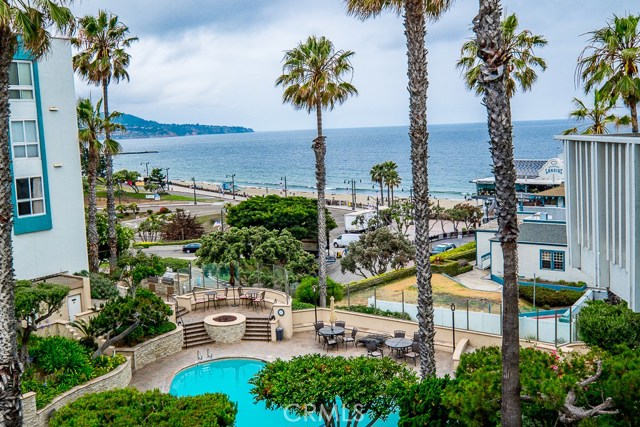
207	222
131	197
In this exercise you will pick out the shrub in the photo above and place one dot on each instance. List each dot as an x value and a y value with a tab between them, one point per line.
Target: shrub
299	305
164	210
608	326
182	226
466	251
365	309
545	296
56	354
421	405
149	409
305	293
452	268
102	287
382	279
175	264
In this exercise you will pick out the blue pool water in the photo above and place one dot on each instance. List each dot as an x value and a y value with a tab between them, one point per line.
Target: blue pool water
231	376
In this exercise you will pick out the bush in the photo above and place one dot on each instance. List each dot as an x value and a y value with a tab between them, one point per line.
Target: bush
365	309
421	405
164	210
175	264
102	287
299	305
608	326
382	279
304	291
466	251
545	296
129	407
452	268
62	354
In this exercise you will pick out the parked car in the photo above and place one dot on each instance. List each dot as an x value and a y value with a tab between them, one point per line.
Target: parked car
191	248
344	240
331	258
443	247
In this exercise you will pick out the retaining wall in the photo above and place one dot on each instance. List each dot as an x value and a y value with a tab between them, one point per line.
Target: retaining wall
154	349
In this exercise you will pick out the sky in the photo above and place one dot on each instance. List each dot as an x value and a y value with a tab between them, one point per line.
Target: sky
216	61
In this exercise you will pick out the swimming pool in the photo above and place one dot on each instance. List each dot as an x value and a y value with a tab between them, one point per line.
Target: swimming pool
231	376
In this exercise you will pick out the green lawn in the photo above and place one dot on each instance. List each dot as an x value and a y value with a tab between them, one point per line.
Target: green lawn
129	197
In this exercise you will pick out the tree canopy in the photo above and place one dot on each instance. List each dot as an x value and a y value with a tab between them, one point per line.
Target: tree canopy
298	215
376	251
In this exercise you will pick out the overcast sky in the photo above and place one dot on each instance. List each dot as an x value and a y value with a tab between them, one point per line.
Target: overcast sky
215	61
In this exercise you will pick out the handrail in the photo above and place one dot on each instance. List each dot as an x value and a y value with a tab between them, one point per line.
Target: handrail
179	319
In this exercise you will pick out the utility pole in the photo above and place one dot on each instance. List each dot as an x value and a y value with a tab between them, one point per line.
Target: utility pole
352	182
195	201
284	178
147	166
233	184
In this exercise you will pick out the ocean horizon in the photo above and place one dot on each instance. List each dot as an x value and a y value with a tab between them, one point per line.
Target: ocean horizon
458	153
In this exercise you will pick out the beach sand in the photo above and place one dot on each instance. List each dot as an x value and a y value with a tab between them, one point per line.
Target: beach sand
333	199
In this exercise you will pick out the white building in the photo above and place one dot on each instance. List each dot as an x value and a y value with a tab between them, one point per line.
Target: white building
49	225
603	211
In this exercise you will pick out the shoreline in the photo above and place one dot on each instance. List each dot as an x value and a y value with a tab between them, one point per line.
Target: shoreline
332	198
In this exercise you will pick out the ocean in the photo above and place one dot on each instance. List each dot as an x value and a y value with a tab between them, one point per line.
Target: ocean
458	153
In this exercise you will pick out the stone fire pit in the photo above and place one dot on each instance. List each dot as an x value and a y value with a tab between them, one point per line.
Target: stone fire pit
225	327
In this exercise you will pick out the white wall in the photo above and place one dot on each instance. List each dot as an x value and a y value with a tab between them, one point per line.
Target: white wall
64	247
483	245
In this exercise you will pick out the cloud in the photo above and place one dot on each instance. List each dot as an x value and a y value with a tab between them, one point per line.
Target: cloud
215	61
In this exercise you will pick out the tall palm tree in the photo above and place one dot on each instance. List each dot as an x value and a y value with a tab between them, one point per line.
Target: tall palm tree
598	116
492	51
377	176
612	59
391	177
102	41
314	80
393	181
415	14
31	22
520	69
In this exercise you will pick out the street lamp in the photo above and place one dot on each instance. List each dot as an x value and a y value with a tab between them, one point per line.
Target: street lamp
233	184
284	178
352	182
147	165
195	201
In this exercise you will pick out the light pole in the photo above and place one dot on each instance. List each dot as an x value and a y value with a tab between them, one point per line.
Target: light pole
233	184
167	169
195	201
147	166
352	182
284	178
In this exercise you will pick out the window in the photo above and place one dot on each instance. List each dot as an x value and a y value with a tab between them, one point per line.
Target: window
552	260
20	80
30	196
24	138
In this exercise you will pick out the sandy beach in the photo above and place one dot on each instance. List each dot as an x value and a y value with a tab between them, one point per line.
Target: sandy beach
333	199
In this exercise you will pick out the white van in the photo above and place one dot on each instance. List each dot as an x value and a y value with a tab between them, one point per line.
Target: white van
344	240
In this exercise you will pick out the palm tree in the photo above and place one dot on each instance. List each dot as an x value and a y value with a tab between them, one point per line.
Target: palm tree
102	41
492	51
522	60
377	176
415	14
391	178
30	22
598	116
612	58
313	79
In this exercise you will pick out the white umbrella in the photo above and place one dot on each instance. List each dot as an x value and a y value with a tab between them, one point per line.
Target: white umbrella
332	315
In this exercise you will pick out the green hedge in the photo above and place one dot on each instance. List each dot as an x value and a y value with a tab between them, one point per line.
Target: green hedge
466	251
382	279
364	309
146	245
451	268
548	297
299	305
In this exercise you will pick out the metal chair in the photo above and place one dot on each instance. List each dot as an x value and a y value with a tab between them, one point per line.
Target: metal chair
416	337
341	324
399	334
243	297
260	301
328	342
201	298
352	338
372	349
218	297
319	325
414	353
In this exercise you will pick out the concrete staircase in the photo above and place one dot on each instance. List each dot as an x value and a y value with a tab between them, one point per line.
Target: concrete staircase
257	329
195	334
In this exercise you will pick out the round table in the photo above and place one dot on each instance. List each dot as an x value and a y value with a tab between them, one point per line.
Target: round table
331	332
398	344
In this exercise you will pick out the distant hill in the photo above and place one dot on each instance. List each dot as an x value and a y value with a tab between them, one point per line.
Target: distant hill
141	128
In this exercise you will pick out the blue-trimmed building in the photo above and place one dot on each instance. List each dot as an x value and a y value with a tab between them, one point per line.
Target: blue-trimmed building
49	225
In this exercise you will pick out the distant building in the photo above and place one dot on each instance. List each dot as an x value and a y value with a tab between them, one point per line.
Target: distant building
49	225
603	211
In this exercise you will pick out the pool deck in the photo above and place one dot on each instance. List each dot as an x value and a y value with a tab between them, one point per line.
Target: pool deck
160	374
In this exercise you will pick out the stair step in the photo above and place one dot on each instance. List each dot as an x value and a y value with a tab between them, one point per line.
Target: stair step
246	338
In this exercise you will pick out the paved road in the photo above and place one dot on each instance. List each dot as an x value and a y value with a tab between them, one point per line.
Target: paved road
173	251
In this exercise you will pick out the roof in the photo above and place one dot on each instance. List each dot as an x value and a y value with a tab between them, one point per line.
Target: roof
542	233
528	168
552	192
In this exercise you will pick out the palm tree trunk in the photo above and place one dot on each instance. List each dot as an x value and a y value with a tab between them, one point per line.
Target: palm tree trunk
320	149
415	31
633	107
491	51
381	193
10	368
111	200
92	227
389	194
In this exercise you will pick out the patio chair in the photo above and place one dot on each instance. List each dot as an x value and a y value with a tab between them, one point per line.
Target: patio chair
416	337
319	325
399	334
352	338
243	297
201	298
329	342
219	297
260	301
414	353
341	324
372	349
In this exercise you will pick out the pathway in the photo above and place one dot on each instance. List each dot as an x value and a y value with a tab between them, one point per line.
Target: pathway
478	280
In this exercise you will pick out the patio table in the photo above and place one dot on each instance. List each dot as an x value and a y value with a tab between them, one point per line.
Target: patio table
331	332
378	338
398	344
